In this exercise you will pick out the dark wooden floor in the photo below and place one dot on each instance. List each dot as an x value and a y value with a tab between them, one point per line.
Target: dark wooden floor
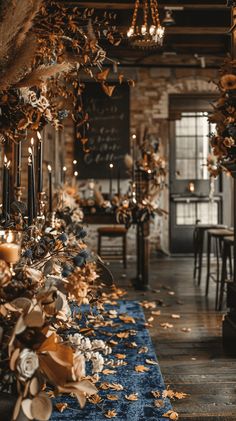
191	361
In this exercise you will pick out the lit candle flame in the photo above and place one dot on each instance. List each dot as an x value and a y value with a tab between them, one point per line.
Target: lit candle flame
76	173
111	165
74	162
32	141
9	237
39	135
8	164
134	136
5	159
49	168
64	168
29	160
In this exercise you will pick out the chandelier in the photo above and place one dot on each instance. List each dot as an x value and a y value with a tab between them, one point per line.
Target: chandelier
150	33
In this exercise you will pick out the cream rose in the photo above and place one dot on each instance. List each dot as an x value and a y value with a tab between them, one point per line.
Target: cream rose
27	364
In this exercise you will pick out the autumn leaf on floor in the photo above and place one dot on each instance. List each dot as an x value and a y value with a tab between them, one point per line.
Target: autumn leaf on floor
172	415
175	316
107	371
126	318
112	342
148	304
156	393
141	368
111	413
166	325
61	406
171	394
171	292
120	356
132	397
156	312
112	397
152	362
186	329
158	403
150	319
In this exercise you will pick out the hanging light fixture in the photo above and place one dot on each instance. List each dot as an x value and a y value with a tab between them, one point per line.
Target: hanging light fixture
150	33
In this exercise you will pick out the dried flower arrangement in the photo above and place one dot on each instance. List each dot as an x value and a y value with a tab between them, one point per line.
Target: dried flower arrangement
224	116
44	49
141	203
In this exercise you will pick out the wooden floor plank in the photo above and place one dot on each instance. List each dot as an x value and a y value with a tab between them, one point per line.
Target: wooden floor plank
191	362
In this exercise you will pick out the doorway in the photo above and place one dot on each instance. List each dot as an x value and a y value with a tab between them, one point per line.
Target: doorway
193	195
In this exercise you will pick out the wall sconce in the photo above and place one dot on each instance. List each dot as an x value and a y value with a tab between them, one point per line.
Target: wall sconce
191	187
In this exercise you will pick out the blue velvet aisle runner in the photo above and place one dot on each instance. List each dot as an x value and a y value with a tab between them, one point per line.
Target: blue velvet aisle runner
142	383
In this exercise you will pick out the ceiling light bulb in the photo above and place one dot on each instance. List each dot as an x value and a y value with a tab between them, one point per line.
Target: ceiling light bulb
152	30
130	32
143	29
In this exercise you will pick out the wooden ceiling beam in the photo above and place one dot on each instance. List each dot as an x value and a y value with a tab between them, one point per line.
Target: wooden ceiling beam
128	6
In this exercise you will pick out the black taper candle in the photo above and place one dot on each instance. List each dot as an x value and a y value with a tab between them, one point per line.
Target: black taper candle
18	164
4	188
110	181
50	188
40	163
118	182
30	197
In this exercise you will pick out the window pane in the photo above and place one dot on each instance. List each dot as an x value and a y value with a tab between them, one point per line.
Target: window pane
207	213
185	169
186	213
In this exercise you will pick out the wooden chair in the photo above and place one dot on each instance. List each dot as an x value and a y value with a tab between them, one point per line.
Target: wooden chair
113	251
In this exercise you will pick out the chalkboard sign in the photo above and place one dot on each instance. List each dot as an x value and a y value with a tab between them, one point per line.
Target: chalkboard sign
108	132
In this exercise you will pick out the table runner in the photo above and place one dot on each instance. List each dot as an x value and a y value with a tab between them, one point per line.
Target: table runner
133	382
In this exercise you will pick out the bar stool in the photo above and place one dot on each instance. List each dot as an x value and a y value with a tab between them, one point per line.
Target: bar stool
217	235
228	243
198	245
113	252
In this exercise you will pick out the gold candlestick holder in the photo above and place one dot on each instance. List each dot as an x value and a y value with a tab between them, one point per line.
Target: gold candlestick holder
51	219
18	193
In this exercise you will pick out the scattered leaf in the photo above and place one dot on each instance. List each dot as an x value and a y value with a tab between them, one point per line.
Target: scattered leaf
172	415
111	413
186	329
151	362
61	406
143	350
141	368
156	312
127	319
175	316
156	393
112	397
166	325
107	371
158	403
132	397
120	356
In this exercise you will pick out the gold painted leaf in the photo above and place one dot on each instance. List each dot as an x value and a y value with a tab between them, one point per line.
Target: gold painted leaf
186	329
41	407
175	316
141	369
61	406
122	334
111	413
166	325
103	75
172	415
26	408
156	393
158	403
132	397
107	371
151	362
108	89
112	397
127	319
95	399
13	359
156	312
120	356
143	350
116	386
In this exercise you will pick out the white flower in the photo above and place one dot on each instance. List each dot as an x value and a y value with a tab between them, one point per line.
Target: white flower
78	366
27	364
65	311
97	362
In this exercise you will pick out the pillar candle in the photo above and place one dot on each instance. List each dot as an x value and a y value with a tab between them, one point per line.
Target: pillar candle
10	252
64	174
50	188
5	185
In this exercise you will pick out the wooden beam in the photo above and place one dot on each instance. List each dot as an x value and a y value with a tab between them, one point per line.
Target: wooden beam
130	6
